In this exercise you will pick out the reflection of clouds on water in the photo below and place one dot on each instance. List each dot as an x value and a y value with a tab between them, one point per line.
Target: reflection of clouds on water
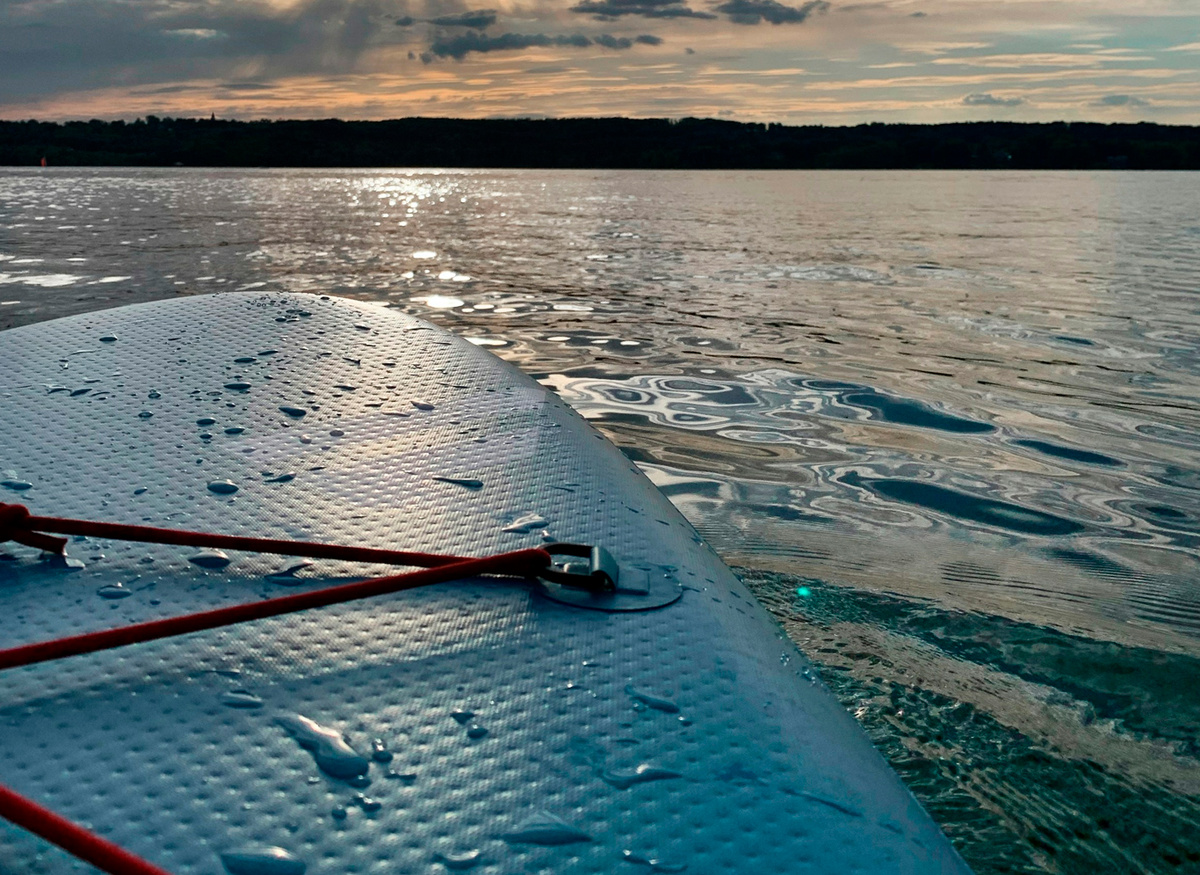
810	452
42	280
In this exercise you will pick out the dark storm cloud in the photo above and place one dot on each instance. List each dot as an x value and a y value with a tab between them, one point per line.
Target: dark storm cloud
55	45
982	98
1121	100
624	42
458	47
609	9
757	11
479	19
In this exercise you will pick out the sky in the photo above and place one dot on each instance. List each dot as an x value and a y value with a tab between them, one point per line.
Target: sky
789	61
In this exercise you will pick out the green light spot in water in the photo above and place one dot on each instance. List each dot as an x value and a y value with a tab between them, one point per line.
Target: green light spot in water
803	591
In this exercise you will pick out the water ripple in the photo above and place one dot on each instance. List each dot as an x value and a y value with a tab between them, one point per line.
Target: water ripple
975	392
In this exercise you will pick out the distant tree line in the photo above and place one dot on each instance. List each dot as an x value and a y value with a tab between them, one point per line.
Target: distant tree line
598	143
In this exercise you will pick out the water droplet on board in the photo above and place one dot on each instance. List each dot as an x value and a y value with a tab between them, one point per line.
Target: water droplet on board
526	523
238	386
16	485
234	429
463	717
651	701
642	774
654	864
476	732
145	414
459	862
333	755
467	482
206	421
240	699
544	828
282	478
108	338
114	591
379	751
337	432
294	412
223	487
153	394
262	861
287	576
422	405
212	559
245	360
339	812
367	804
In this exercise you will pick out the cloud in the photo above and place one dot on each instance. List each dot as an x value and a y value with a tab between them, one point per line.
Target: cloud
459	47
1121	100
479	19
82	43
247	86
624	42
984	98
609	9
167	89
195	33
756	11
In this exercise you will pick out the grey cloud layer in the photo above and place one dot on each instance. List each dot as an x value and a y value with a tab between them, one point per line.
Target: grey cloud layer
737	11
608	9
480	19
756	11
49	46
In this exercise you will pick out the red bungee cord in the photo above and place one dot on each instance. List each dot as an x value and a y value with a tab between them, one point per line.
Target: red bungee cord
19	525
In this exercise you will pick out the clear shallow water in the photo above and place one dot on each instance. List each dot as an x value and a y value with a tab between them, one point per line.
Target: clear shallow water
945	423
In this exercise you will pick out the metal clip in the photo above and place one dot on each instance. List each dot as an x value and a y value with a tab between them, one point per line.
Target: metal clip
597	573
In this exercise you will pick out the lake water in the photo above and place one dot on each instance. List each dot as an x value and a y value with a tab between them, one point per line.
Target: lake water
946	425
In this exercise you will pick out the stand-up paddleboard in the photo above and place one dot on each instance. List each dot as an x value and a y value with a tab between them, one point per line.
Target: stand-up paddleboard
496	727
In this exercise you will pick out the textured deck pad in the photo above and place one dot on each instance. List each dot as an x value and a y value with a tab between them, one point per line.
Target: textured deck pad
469	726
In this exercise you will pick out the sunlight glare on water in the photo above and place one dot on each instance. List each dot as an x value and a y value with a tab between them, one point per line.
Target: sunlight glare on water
945	424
